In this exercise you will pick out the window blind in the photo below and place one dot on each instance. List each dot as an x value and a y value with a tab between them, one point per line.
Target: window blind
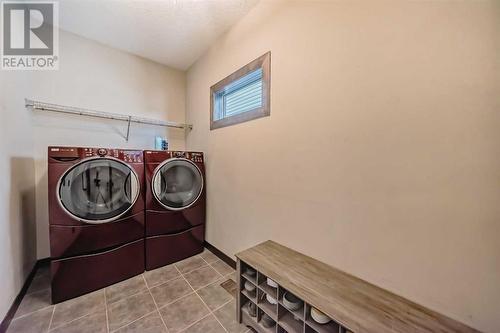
241	95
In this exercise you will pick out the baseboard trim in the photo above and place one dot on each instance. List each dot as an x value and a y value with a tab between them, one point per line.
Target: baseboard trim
222	256
17	301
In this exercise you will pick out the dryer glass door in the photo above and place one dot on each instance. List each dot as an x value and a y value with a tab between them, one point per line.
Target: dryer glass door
98	190
177	183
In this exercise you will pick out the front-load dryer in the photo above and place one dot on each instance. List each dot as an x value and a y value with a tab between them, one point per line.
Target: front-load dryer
96	217
175	206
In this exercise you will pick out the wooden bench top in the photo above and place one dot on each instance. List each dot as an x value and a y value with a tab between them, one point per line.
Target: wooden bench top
354	303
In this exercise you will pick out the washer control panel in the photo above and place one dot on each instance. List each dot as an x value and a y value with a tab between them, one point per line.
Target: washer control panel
132	156
179	154
70	154
102	152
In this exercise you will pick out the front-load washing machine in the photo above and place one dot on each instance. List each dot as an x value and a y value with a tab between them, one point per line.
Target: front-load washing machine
175	206
96	217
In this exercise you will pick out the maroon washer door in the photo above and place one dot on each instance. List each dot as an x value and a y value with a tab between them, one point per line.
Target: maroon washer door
167	249
94	190
75	240
75	276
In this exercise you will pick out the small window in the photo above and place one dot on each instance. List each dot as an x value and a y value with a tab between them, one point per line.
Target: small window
243	95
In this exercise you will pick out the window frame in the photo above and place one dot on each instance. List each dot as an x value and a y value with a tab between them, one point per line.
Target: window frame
263	62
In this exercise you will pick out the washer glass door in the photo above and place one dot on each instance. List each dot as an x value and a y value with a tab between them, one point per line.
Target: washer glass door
98	190
177	183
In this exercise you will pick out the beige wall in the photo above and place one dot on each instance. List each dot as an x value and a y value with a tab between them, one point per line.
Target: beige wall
91	76
382	153
17	194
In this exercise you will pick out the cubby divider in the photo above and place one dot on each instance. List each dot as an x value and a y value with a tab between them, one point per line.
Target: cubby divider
309	329
265	329
331	327
300	312
247	276
289	321
244	307
281	329
250	295
262	283
266	306
249	320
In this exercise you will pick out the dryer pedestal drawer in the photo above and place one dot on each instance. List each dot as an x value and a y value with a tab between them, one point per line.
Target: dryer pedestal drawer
75	276
167	249
171	222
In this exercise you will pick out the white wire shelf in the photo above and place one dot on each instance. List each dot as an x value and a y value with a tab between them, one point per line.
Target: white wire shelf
42	106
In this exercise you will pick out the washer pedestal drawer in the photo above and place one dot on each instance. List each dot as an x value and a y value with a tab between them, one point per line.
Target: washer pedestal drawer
69	241
167	249
75	276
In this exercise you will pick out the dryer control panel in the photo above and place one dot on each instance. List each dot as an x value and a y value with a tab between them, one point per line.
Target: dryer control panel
158	156
193	156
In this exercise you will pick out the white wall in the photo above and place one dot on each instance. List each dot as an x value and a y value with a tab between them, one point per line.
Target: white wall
382	152
90	76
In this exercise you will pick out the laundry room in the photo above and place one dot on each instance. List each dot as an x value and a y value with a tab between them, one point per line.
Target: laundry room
244	166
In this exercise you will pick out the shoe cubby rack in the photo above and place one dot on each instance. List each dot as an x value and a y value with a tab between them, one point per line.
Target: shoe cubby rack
286	320
351	304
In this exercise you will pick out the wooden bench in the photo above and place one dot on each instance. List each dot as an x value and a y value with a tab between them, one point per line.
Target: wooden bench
353	304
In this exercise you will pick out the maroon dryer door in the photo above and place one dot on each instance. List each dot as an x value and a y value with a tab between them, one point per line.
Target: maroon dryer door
177	183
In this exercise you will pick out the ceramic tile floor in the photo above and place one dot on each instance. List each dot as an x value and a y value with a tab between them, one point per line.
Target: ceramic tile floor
183	297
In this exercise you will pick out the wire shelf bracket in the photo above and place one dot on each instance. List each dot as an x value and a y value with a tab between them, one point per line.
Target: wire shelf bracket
42	106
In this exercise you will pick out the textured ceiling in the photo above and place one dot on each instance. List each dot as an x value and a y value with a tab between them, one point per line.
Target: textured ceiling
172	32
